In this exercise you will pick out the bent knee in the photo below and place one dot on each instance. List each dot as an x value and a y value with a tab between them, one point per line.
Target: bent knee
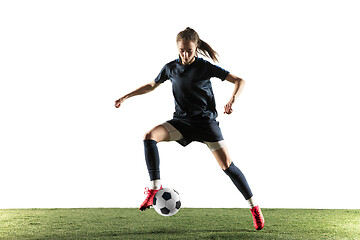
226	165
149	136
158	134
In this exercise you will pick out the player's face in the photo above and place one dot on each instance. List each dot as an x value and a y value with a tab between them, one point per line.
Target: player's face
187	51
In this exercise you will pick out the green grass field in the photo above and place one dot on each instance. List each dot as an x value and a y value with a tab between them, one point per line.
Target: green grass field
188	223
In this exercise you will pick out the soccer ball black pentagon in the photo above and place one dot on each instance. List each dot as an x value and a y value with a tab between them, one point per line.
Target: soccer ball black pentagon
167	202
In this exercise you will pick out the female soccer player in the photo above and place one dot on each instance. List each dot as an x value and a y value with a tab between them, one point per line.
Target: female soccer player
195	114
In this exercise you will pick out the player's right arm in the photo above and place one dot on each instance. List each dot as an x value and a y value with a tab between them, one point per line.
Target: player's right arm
141	90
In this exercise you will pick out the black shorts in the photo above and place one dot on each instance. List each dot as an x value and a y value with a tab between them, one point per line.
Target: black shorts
200	132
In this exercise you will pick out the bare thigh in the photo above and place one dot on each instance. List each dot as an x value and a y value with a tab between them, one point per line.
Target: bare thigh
158	134
222	157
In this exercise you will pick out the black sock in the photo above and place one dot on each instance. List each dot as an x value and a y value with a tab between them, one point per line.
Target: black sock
152	159
239	180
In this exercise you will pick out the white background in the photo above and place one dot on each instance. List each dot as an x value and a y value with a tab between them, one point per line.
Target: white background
294	132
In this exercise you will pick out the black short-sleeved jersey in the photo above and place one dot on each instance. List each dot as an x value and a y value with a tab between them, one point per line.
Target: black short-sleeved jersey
194	97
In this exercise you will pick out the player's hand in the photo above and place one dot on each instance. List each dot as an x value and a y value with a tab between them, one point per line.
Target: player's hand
119	102
228	106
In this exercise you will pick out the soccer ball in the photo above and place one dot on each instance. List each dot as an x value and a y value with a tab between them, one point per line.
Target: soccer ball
167	202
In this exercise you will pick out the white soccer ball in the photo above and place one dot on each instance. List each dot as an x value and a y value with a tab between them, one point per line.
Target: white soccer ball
167	202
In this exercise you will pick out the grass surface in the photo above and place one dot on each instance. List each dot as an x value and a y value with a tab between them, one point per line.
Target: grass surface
188	223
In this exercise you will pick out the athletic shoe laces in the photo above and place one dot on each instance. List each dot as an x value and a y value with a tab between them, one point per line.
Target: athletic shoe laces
257	216
147	191
150	193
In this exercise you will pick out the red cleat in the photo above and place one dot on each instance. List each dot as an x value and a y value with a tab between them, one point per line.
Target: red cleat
259	220
150	193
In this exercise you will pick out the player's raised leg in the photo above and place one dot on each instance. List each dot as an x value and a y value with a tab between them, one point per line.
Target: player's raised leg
222	156
151	138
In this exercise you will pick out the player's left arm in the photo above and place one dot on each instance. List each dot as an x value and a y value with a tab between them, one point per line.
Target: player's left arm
239	85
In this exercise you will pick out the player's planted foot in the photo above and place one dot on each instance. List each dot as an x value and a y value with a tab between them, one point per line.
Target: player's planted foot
150	193
259	220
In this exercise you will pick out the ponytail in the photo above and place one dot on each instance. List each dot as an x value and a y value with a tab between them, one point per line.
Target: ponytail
206	50
203	48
